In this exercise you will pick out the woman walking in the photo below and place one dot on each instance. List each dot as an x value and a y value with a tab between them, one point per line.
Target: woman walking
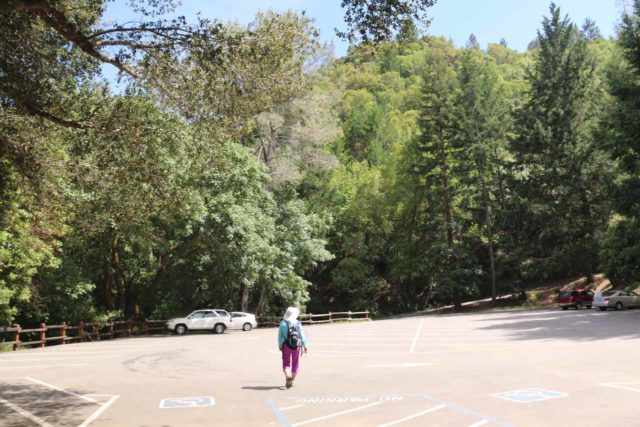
291	341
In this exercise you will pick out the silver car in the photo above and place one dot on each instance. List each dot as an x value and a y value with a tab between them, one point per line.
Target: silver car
616	299
213	320
244	321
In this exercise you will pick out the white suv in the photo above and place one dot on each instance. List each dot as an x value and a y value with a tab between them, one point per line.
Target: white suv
244	321
209	319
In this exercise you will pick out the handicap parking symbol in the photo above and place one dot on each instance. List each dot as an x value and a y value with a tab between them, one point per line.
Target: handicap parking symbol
529	395
187	402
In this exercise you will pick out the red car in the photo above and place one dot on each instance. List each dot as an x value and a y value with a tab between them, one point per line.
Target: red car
575	298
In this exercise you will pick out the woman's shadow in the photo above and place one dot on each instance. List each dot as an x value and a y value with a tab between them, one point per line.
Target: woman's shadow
264	387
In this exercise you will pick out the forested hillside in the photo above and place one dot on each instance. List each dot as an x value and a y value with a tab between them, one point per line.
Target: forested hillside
466	173
245	168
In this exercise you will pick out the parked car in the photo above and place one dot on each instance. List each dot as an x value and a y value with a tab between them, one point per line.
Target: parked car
214	320
575	298
617	299
244	321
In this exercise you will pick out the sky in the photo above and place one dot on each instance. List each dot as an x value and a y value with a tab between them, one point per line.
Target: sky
489	20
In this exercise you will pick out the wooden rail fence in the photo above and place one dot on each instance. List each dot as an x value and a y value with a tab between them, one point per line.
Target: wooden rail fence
312	319
83	331
95	331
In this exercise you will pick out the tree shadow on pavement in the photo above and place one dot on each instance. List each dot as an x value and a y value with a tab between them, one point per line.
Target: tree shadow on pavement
264	387
530	314
52	406
581	326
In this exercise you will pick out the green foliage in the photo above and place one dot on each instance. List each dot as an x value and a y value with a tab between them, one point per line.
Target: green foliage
22	252
434	215
357	286
30	223
228	79
377	20
560	180
140	204
485	168
620	252
232	172
621	248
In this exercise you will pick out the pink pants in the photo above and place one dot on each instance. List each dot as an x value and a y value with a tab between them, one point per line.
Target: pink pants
290	358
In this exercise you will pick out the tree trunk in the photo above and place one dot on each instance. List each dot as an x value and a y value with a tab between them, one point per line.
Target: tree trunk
427	296
117	272
261	300
489	224
492	259
501	191
244	305
480	163
448	217
108	291
457	302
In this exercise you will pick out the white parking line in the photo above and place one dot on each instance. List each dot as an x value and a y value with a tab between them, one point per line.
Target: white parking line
70	353
25	414
372	334
379	343
479	423
55	358
415	339
73	348
88	399
27	353
348	411
416	415
357	353
80	347
374	352
399	365
291	407
349	354
372	338
624	386
104	343
45	366
99	412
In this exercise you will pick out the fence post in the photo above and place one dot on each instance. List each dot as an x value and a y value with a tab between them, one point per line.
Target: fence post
146	327
130	327
43	334
310	318
330	319
63	333
110	325
366	314
349	315
16	338
96	331
81	330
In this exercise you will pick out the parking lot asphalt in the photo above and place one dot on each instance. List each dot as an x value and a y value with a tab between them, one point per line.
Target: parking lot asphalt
537	368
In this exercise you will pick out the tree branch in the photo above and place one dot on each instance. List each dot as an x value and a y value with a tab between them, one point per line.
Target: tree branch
134	45
10	5
34	110
59	22
154	30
